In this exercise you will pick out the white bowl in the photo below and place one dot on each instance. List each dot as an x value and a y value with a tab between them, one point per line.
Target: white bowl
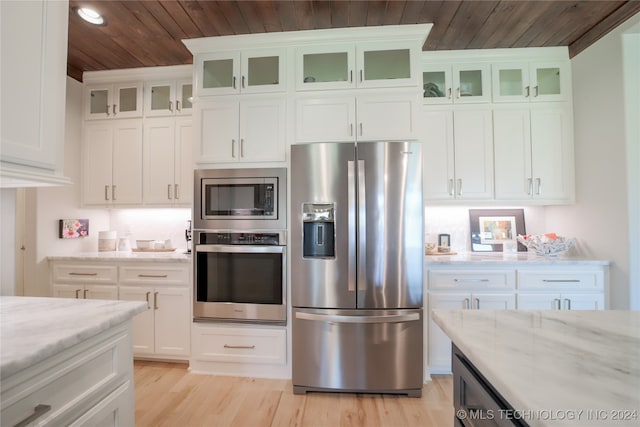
144	244
547	244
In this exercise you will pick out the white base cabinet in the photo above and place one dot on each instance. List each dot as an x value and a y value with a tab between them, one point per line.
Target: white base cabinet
90	383
470	286
160	332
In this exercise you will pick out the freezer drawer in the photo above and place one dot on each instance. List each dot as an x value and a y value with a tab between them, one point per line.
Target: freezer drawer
372	351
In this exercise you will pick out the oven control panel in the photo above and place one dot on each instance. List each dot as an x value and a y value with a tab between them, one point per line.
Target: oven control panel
214	238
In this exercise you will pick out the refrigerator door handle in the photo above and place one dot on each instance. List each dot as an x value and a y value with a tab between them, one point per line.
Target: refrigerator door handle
362	228
351	178
334	318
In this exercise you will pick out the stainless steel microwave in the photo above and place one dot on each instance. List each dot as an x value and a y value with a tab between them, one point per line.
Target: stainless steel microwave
240	199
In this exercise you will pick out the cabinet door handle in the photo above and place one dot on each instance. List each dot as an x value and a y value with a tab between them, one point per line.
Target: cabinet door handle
535	88
233	148
169	191
350	76
567	304
234	82
361	76
449	93
114	109
557	303
176	191
538	186
147	298
241	147
361	129
527	92
530	185
106	192
84	294
78	293
243	86
477	303
38	411
82	274
451	188
458	93
107	111
246	347
467	303
178	106
155	300
459	187
113	192
171	106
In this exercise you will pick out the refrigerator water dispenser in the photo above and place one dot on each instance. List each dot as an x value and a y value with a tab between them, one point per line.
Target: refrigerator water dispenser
318	222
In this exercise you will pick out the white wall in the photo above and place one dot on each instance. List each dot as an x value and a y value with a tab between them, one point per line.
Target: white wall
601	213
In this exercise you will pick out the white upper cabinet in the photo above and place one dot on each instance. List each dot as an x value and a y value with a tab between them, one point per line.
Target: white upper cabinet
33	56
113	101
540	81
168	98
457	84
247	71
356	118
364	65
533	149
251	130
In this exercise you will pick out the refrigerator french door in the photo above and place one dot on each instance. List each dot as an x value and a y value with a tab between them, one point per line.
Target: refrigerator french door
357	255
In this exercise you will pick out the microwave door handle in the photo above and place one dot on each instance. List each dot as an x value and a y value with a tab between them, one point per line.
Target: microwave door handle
351	195
362	228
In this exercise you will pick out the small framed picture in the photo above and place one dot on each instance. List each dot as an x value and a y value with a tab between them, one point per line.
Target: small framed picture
444	240
491	228
73	228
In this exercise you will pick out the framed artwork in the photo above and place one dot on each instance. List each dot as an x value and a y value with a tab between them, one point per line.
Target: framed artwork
73	228
491	228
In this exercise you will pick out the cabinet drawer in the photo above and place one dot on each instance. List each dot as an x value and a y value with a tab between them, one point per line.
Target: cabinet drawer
75	273
155	275
471	279
64	387
561	280
239	345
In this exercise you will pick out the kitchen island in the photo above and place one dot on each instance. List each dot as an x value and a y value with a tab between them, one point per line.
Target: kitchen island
546	368
66	361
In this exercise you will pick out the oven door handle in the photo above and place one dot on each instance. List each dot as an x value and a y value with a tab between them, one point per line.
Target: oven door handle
240	249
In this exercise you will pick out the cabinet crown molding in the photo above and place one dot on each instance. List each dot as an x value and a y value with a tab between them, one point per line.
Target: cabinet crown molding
142	73
527	54
417	32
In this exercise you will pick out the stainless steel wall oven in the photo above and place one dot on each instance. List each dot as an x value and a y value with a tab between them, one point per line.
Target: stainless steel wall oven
239	245
240	276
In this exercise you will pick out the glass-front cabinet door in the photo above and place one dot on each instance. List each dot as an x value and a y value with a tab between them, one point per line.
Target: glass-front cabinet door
226	73
325	67
458	84
386	65
535	82
168	98
113	101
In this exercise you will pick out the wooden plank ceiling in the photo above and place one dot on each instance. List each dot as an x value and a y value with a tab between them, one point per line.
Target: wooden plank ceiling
149	32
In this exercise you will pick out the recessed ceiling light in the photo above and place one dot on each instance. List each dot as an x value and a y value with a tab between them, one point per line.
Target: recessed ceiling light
90	15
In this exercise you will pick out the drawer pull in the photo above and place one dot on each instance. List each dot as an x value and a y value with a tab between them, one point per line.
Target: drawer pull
148	305
38	411
82	274
246	347
157	276
470	280
78	293
155	300
561	280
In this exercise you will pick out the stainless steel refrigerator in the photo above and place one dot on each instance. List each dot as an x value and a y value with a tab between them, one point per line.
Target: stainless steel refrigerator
356	267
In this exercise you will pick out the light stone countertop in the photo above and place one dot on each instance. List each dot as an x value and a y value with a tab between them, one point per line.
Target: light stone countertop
499	258
178	256
555	368
33	329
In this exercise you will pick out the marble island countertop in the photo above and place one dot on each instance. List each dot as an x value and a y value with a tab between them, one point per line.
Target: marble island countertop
499	258
179	256
33	329
555	368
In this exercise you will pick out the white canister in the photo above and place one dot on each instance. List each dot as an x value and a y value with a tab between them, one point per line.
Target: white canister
106	241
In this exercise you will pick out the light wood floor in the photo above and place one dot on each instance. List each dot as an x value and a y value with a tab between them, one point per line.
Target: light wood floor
167	395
